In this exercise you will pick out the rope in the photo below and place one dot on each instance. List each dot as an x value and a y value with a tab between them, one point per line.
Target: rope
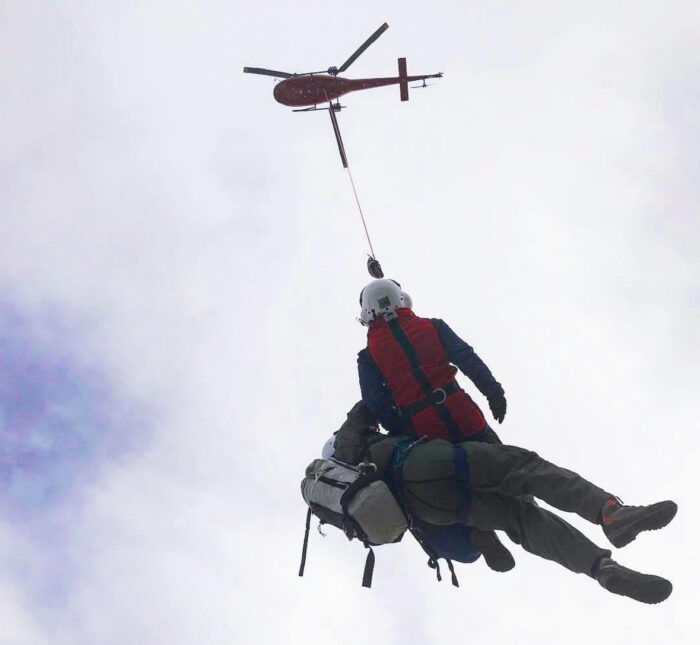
364	224
344	159
347	165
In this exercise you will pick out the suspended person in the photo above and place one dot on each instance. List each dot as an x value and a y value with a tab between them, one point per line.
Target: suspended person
407	371
489	486
351	444
407	379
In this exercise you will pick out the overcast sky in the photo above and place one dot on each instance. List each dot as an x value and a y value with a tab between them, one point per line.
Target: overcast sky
180	261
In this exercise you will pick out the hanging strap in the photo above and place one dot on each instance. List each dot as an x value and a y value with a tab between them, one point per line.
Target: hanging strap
432	562
451	567
369	568
306	542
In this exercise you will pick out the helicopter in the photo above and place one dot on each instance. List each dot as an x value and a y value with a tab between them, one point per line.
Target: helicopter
308	90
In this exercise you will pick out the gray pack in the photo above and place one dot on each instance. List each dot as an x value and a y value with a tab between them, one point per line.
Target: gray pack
357	501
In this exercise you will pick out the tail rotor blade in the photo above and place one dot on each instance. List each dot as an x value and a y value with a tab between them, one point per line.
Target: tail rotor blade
362	47
267	72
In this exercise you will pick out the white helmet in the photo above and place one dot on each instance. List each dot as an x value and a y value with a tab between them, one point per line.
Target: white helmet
382	298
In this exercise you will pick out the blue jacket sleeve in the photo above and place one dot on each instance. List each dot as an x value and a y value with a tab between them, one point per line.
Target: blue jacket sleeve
465	358
376	395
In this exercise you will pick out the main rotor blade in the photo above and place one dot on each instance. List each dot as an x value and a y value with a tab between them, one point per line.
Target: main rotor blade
267	72
362	47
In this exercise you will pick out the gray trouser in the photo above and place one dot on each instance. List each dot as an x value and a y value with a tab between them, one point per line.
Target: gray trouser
501	479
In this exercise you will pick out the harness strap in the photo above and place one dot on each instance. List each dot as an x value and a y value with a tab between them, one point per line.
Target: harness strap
437	397
306	542
422	380
462	476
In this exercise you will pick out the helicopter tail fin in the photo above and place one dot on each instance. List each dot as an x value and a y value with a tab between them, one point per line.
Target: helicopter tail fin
403	79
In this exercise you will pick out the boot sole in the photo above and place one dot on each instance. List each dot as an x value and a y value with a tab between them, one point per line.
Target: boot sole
647	589
663	514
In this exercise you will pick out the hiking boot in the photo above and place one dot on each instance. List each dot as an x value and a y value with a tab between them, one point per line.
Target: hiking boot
496	555
621	524
625	582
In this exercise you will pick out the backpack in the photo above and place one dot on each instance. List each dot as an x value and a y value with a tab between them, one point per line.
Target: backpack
451	542
355	500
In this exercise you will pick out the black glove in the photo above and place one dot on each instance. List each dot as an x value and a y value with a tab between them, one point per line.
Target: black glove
498	407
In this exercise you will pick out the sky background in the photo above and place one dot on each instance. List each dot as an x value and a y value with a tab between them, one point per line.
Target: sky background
180	262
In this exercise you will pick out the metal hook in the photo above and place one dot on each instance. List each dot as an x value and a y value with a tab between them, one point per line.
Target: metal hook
374	268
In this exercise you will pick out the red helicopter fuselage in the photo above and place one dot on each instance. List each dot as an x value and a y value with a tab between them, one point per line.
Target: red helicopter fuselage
312	89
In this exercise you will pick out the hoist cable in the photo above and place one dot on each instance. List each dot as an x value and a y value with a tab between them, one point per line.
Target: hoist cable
362	217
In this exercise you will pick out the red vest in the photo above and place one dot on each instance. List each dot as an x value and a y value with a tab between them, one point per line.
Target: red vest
408	353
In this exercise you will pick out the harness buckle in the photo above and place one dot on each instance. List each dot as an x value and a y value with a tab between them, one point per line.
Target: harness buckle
438	391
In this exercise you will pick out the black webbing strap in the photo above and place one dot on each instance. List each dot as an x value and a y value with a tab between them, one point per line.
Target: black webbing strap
369	568
364	480
455	582
464	497
306	542
422	379
428	401
432	562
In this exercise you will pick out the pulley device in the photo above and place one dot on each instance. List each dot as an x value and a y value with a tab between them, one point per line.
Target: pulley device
374	268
